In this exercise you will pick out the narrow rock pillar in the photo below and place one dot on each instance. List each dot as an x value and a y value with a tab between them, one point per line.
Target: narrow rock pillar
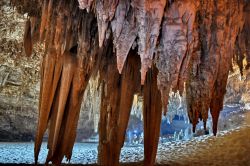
152	112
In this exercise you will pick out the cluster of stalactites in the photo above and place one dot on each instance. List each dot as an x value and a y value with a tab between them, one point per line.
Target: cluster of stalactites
140	23
220	22
173	32
65	71
187	40
129	20
242	50
197	39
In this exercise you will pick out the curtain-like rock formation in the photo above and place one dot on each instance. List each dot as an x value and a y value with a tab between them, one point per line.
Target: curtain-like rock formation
175	47
220	22
180	41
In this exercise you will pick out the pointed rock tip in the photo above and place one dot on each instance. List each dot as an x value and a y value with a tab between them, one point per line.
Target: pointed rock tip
164	103
120	63
102	33
143	77
119	67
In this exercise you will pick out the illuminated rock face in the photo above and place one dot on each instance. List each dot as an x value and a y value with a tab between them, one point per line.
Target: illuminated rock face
157	46
211	62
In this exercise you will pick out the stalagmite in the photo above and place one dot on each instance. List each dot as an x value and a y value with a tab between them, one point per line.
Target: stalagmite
166	45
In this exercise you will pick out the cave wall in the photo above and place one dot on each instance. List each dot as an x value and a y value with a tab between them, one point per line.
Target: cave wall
19	79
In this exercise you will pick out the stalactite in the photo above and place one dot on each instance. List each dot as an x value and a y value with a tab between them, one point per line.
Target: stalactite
239	52
185	41
35	24
242	43
85	4
65	76
152	107
124	31
194	106
67	130
44	18
149	15
106	10
47	91
176	39
231	29
246	31
208	84
117	99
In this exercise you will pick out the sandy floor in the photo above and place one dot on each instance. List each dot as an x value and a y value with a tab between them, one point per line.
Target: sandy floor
229	148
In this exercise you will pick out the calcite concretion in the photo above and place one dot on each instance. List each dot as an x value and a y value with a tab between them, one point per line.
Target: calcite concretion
212	58
173	57
242	45
85	4
149	15
124	32
105	12
117	98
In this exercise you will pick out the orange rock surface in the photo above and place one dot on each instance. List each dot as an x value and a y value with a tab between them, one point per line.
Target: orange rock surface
157	47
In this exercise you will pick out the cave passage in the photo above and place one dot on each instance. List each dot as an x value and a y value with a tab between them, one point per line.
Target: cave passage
144	47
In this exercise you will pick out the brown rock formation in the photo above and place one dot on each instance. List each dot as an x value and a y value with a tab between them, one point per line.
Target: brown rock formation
188	41
151	116
174	56
117	98
220	22
19	83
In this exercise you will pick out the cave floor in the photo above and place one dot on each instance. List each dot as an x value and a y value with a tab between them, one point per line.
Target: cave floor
228	148
231	148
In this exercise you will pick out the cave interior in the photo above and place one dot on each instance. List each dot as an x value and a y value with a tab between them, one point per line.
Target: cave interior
134	47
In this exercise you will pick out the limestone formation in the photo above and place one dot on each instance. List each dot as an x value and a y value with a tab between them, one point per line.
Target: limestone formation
19	84
160	46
